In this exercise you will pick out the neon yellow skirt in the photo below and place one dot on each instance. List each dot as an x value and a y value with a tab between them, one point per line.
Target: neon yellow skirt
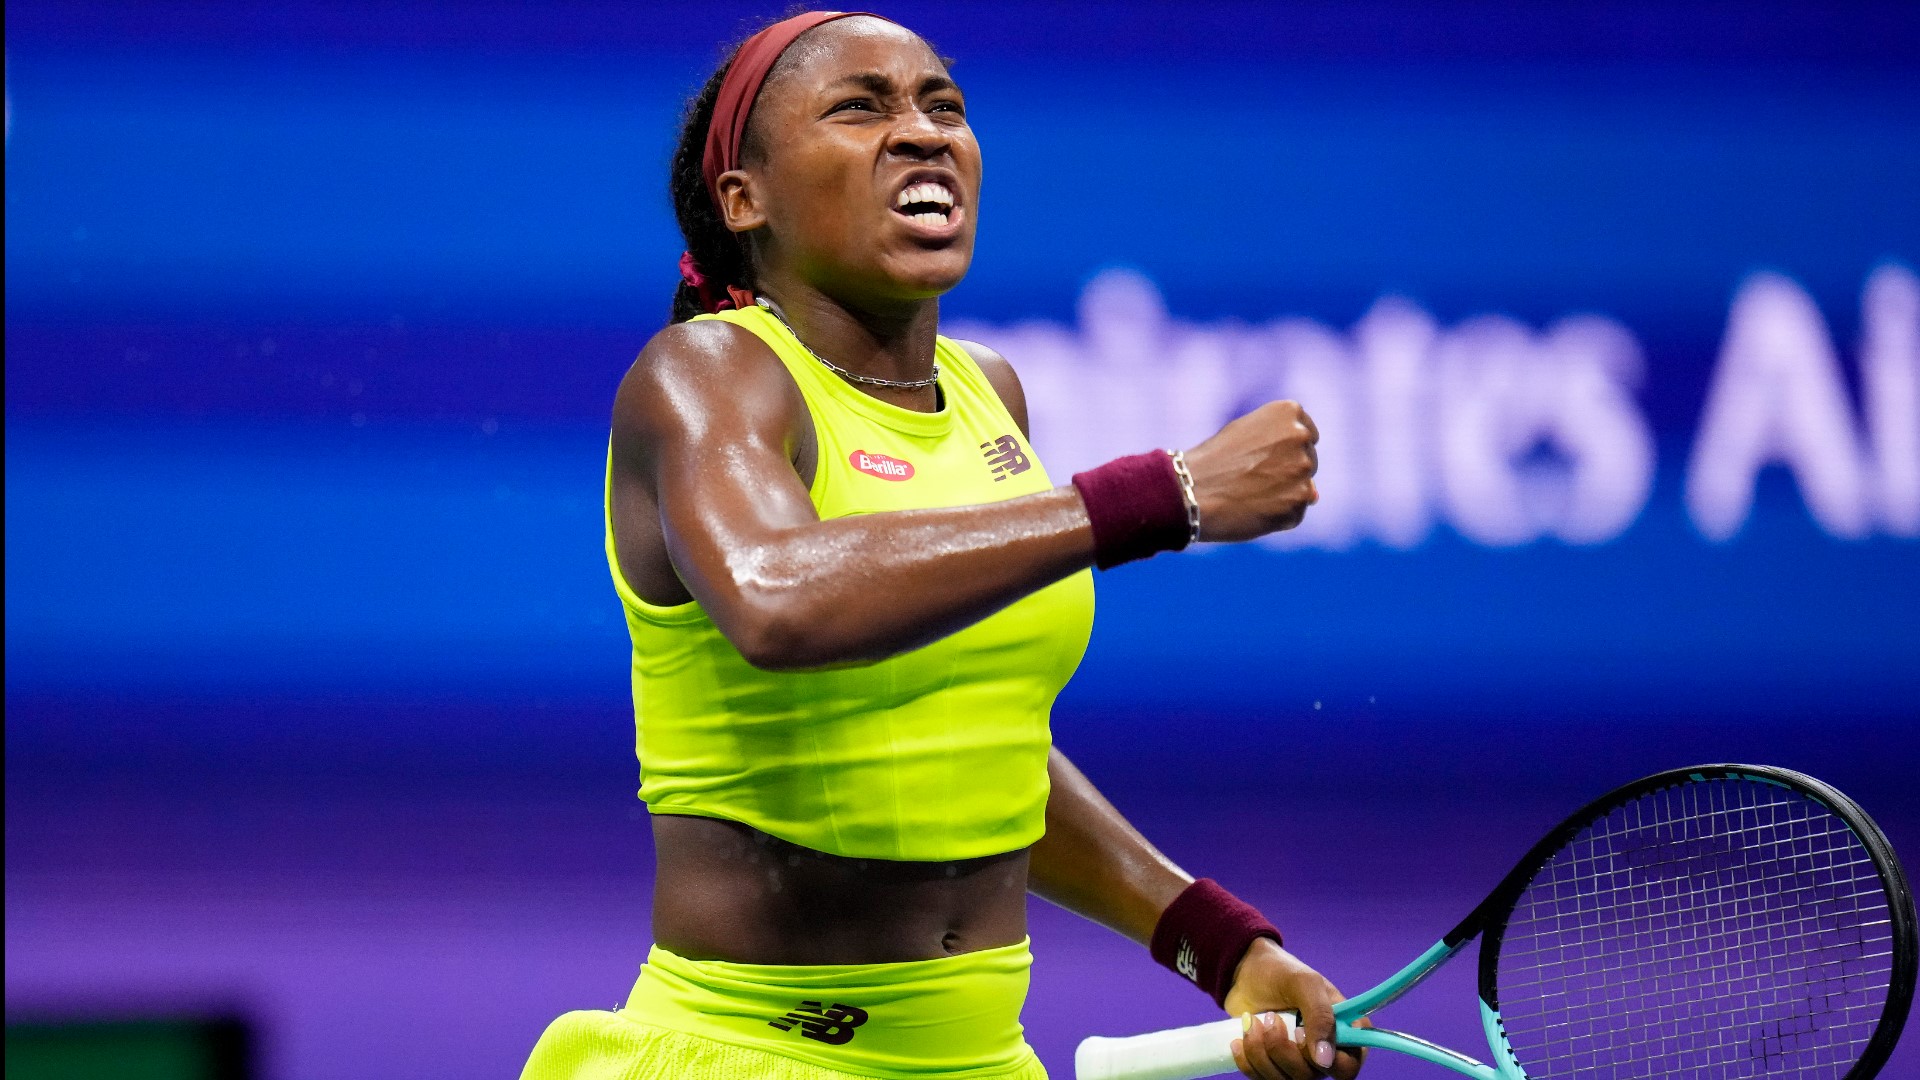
954	1017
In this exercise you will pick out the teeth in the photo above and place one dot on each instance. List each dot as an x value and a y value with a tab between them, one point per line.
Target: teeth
931	218
925	192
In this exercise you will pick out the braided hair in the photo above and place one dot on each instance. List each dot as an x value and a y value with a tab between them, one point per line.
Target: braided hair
718	252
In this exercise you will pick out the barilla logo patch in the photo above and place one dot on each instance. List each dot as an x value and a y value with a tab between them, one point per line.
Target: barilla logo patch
880	465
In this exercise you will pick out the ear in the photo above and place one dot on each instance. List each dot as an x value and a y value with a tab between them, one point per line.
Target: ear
739	208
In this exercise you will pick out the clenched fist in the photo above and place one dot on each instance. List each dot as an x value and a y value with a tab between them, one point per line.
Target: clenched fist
1255	476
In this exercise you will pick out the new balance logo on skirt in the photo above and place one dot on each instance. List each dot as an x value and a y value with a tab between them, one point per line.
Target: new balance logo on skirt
832	1024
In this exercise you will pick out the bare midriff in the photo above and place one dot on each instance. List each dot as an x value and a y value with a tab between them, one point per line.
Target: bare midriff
727	891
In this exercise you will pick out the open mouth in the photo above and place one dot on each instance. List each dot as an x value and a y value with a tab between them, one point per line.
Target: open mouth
925	203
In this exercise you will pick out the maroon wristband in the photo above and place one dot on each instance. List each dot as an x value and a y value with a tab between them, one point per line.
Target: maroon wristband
1137	506
1203	934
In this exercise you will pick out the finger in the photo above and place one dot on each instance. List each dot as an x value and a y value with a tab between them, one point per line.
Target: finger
1284	1045
1265	1046
1239	1049
1313	429
1316	1021
1259	1059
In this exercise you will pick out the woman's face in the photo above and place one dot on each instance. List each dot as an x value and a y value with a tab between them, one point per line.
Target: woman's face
866	179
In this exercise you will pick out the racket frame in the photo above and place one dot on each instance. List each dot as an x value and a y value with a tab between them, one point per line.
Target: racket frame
1488	921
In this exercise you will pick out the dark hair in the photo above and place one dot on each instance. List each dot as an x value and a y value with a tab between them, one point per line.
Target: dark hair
715	249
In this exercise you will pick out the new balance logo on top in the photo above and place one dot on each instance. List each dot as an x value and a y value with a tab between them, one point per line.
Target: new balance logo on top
832	1024
1186	962
1005	457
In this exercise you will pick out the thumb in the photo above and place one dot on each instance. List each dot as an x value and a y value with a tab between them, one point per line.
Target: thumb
1316	1024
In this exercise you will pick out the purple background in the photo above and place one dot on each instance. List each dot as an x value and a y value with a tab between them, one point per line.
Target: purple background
315	687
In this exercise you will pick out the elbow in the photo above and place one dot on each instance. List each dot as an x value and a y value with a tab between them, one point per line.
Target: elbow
777	637
772	649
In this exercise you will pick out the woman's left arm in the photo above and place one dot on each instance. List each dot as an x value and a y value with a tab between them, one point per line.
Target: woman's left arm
1094	863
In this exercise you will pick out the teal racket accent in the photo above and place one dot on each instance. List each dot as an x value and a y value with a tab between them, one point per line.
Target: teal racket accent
1401	981
1414	1046
1389	991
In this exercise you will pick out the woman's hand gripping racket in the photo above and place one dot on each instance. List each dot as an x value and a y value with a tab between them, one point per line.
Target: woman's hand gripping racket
1719	922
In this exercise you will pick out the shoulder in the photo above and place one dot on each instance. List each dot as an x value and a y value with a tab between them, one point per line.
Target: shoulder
697	352
1005	381
692	375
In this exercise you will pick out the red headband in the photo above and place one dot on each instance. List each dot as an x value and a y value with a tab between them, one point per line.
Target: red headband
741	85
738	87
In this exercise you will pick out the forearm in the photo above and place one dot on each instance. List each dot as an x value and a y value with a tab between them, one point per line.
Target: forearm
1095	864
870	586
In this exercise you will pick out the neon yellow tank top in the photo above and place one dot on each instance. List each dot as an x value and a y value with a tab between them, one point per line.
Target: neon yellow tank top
932	755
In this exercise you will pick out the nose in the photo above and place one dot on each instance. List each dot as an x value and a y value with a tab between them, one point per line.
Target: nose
917	136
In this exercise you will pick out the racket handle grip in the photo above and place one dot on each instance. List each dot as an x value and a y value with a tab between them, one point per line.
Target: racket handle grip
1186	1053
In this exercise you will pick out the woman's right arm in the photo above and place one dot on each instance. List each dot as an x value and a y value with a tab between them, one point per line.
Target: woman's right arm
705	429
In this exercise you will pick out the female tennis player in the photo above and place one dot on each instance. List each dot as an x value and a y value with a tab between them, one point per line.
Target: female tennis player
853	594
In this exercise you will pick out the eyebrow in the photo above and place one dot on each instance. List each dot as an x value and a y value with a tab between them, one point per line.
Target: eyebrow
876	83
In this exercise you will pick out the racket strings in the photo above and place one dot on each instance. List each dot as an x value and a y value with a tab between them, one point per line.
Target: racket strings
1726	929
1603	965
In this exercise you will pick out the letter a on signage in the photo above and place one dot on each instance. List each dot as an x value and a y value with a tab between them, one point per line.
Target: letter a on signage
1777	396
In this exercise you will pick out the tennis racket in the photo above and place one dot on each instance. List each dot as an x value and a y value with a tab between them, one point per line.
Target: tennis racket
1724	922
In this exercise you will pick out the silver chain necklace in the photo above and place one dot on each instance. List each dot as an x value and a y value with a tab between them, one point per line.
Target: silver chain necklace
869	380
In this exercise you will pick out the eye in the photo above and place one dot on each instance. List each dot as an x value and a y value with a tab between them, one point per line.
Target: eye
948	106
859	104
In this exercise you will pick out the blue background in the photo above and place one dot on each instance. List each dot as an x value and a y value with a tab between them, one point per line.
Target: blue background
315	684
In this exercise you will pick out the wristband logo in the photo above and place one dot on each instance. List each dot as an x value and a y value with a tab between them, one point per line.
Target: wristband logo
880	465
831	1024
1187	962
